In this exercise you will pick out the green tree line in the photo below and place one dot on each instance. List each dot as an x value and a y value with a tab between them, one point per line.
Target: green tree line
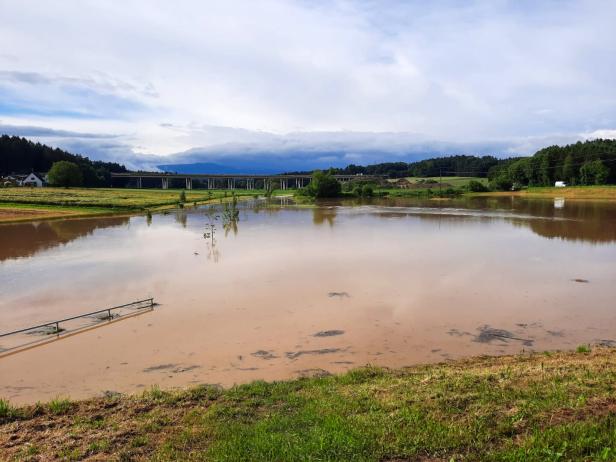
583	163
19	155
460	165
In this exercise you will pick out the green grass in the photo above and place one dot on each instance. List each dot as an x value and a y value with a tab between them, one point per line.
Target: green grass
110	198
583	349
599	192
454	181
20	204
59	406
417	193
424	189
7	411
557	406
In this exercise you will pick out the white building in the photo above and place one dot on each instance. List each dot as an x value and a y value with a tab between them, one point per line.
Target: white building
32	180
560	184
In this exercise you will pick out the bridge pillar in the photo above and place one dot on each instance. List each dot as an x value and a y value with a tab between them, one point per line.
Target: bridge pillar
139	182
165	182
188	183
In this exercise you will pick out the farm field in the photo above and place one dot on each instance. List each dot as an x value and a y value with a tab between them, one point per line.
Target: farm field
454	181
25	212
604	192
19	204
110	197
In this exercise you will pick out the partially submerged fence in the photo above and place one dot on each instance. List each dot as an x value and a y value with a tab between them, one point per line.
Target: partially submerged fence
54	329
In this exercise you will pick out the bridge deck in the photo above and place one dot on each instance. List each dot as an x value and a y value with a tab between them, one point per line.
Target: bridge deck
229	175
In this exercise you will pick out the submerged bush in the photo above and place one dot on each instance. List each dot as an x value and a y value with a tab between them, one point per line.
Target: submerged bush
362	190
477	186
322	185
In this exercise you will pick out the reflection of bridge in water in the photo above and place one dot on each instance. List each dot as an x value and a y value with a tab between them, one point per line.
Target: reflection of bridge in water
224	181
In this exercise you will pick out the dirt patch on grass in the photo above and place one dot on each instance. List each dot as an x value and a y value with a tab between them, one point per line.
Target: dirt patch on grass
109	428
593	409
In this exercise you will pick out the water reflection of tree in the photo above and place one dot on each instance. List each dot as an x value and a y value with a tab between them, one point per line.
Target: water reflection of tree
588	221
230	216
213	253
321	215
181	217
27	239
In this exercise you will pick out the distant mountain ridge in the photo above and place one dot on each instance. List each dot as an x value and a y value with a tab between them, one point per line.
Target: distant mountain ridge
461	165
269	163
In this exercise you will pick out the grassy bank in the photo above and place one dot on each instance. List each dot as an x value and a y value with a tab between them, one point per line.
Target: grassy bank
453	181
557	406
19	204
14	212
606	192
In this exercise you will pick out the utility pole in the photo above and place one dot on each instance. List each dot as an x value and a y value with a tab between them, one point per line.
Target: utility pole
440	181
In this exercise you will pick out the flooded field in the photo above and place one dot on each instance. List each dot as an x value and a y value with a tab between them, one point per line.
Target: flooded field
294	290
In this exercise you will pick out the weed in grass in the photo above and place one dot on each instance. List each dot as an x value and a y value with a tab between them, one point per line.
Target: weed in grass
29	452
204	393
583	349
70	454
155	393
99	446
59	406
139	441
96	422
7	412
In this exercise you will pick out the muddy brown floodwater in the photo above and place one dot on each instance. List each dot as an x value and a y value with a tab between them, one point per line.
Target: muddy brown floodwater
294	291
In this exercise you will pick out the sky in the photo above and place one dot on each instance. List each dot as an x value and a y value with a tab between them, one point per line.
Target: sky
306	82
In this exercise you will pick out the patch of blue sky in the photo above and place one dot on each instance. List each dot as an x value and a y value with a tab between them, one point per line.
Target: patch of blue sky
68	102
16	109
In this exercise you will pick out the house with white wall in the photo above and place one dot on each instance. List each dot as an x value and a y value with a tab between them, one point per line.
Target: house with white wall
31	180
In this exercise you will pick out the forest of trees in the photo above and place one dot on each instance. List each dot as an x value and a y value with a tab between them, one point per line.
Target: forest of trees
19	155
587	163
461	165
582	163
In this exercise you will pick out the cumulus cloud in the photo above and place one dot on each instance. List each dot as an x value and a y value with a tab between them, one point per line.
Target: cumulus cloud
363	79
